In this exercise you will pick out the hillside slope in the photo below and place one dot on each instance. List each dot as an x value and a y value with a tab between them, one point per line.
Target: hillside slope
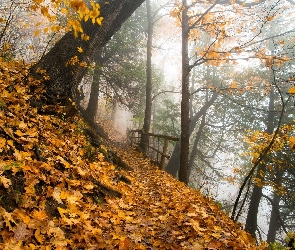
64	187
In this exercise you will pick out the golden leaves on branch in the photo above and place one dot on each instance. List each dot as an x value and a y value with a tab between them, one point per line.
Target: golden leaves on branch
75	11
258	141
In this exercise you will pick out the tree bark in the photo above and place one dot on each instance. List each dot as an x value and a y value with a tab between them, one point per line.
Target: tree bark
63	80
149	84
274	222
92	106
173	164
251	221
185	94
195	146
93	100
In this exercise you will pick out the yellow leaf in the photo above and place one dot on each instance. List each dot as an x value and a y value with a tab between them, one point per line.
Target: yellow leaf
270	18
5	181
39	237
233	85
52	18
17	154
44	11
80	49
22	215
34	8
84	37
64	11
99	20
292	142
36	32
292	90
77	4
19	133
40	214
89	186
38	1
83	64
56	195
10	143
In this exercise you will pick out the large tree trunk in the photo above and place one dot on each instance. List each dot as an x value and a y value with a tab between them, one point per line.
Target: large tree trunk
63	79
196	144
184	137
149	85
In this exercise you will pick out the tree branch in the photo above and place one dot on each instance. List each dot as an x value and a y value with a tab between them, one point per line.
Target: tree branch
164	91
261	156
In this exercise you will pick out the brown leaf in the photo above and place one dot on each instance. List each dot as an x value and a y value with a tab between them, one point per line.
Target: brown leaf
21	232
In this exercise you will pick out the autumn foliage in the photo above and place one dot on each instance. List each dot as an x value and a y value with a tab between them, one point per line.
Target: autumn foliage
59	191
62	186
75	12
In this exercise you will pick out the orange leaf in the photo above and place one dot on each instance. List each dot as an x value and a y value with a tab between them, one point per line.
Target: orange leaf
292	90
292	142
39	214
124	245
37	32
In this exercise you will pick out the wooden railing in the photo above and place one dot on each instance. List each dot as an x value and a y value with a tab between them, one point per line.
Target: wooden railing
157	145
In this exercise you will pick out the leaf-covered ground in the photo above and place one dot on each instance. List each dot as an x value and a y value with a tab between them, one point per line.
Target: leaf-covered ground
64	187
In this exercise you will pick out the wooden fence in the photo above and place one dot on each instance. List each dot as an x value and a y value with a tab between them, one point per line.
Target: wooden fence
157	145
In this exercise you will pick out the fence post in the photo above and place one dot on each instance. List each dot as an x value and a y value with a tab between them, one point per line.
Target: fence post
162	164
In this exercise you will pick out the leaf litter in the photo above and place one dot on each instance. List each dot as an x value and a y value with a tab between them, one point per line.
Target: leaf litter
58	191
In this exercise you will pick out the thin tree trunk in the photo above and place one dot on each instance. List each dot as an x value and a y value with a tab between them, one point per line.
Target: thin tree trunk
114	111
92	106
149	84
274	223
251	221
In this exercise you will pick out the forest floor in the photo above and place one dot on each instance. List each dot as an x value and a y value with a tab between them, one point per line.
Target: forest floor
62	186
